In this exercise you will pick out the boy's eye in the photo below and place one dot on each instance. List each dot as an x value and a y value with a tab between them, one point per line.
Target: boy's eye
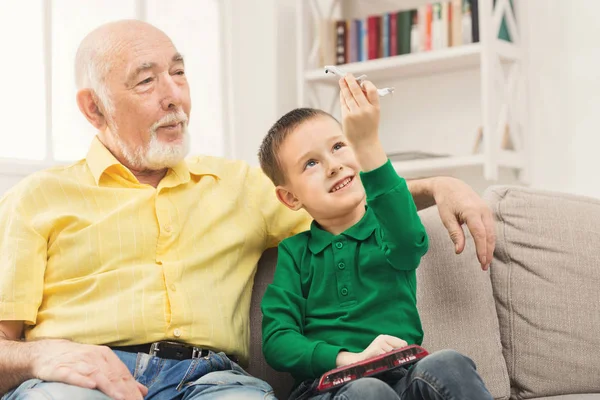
310	163
338	145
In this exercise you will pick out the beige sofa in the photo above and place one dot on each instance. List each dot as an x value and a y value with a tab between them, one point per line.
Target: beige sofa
532	323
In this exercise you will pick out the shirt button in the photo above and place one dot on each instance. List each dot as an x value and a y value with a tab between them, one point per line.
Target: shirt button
168	228
344	292
339	245
341	265
177	332
173	288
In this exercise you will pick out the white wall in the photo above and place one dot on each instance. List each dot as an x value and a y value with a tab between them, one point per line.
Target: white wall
564	59
583	69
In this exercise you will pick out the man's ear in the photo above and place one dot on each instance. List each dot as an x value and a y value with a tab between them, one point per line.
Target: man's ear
88	105
288	198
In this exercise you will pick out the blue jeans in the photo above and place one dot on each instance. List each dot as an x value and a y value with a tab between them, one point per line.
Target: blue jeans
446	375
210	378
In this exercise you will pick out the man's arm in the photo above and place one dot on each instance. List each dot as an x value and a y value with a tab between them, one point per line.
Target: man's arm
87	366
458	204
422	192
16	356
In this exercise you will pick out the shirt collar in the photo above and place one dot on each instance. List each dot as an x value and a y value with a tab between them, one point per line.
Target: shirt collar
320	238
100	159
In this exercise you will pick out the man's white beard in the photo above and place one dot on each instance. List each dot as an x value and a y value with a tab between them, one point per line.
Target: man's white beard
156	155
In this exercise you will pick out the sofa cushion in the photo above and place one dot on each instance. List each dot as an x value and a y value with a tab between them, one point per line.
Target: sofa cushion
546	280
456	304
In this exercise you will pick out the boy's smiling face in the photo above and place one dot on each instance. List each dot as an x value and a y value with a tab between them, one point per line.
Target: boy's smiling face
321	170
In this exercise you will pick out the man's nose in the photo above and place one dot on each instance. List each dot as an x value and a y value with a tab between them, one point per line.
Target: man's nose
172	94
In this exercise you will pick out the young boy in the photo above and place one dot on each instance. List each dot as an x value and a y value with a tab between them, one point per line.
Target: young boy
345	290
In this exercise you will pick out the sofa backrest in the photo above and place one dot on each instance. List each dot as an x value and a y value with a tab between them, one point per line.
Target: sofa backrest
546	280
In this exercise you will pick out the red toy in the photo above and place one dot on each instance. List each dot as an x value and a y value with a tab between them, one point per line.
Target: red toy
402	357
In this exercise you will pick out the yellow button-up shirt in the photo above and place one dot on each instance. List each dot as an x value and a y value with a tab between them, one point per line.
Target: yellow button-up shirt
90	254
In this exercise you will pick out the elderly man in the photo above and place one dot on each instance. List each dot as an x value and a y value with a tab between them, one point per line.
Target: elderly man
113	268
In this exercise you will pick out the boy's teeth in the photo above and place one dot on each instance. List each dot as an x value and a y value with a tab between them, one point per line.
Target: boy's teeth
341	185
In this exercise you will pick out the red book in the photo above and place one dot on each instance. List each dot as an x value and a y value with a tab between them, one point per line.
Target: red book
374	36
393	36
428	20
402	357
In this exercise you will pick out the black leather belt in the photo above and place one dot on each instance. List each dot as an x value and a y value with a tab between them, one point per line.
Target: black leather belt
170	350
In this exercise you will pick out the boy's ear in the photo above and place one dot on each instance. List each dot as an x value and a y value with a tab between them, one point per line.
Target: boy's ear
288	198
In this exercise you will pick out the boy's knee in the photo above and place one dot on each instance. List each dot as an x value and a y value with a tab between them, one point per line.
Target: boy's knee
368	388
446	365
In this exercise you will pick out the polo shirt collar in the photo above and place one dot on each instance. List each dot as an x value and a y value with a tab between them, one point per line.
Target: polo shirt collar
320	238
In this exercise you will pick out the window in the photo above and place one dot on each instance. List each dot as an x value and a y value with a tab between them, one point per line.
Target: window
23	100
38	106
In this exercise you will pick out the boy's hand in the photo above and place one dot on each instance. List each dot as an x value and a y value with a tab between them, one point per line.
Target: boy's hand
381	345
360	111
360	121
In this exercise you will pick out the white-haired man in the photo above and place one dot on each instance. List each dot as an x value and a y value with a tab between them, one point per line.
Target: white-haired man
128	274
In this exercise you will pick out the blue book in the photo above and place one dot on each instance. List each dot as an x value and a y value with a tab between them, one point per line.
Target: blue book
385	34
359	44
364	40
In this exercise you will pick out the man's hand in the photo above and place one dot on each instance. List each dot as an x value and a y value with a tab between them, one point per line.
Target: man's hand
360	121
93	367
458	204
381	345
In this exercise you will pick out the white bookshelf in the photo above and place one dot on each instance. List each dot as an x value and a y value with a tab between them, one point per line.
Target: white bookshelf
488	57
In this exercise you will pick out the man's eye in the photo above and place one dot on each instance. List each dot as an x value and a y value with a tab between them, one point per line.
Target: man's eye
180	72
145	81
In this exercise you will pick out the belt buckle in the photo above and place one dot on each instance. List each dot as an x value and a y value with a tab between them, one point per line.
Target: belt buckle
196	352
155	348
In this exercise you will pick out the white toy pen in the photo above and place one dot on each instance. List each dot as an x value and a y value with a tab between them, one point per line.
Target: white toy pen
337	71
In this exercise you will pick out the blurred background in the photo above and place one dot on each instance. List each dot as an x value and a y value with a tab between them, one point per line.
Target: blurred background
491	91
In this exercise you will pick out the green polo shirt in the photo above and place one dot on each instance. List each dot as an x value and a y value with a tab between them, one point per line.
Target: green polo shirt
339	292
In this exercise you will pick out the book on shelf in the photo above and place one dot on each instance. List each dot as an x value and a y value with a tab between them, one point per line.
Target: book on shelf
413	155
433	26
503	32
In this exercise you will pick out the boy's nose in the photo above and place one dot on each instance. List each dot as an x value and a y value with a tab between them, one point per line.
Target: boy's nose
335	169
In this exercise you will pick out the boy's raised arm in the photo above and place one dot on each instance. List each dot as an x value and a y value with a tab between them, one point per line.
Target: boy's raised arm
403	236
